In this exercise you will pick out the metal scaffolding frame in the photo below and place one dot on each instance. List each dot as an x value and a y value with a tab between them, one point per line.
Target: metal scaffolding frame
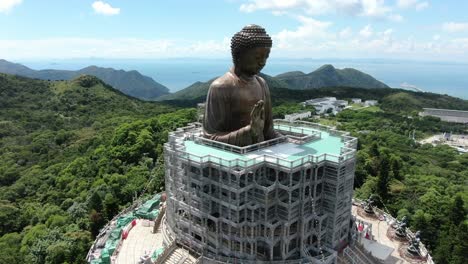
270	209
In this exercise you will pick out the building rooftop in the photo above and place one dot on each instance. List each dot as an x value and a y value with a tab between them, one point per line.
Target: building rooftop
301	142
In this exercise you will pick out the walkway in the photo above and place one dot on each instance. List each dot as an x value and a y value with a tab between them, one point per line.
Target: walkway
379	230
140	241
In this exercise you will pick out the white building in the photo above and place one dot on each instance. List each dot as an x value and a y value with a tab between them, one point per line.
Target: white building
370	102
323	105
296	116
356	100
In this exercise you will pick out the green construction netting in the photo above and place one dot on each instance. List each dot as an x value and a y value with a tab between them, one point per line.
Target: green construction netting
96	261
150	204
115	234
111	245
147	215
146	211
156	253
125	220
105	256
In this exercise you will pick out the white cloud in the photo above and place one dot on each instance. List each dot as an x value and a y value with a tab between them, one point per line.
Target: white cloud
7	5
305	35
416	4
365	8
103	8
269	4
366	32
453	27
65	48
322	42
345	33
320	39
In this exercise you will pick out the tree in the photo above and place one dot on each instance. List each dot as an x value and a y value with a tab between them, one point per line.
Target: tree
9	215
95	202
111	206
396	166
10	245
97	222
374	150
383	178
457	212
58	253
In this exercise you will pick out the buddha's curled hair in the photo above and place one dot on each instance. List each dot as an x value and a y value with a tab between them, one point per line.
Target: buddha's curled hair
251	36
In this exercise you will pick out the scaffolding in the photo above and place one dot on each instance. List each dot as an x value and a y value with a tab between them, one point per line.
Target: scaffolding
250	203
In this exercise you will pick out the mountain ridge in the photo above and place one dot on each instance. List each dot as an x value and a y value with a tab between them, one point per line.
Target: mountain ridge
327	76
200	89
130	82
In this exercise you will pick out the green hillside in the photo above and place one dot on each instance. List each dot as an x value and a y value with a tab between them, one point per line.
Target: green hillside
394	100
329	76
72	153
197	92
129	82
425	183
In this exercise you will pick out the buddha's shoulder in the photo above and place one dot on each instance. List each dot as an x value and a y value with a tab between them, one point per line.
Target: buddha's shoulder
226	81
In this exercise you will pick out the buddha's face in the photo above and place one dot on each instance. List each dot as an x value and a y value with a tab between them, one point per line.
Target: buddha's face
253	60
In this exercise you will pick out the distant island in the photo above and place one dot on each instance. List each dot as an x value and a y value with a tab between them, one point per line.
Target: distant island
130	83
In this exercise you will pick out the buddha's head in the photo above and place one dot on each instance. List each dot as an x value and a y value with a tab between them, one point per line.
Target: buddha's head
250	49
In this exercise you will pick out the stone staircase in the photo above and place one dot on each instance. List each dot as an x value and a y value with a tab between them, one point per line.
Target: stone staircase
354	255
180	256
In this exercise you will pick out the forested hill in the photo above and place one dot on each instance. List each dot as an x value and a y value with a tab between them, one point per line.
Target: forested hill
196	92
72	154
396	100
129	82
325	76
329	76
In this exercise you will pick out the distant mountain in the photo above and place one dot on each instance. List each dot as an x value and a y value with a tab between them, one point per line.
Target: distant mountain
129	82
199	90
329	76
194	91
325	76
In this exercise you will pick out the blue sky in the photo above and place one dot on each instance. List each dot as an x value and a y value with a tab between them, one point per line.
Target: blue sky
397	29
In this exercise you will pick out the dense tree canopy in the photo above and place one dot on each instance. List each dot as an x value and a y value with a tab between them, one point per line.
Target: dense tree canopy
74	153
423	182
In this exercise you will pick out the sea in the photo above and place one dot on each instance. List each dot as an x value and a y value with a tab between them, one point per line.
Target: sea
438	77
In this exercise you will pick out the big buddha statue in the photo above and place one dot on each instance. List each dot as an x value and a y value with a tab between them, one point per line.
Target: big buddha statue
238	104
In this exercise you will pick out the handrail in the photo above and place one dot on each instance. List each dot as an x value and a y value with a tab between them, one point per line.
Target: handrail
346	152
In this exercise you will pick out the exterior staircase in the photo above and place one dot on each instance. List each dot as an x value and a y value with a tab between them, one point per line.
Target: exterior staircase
354	255
180	256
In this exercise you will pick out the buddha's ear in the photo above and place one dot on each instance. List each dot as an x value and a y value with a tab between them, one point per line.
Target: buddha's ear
237	60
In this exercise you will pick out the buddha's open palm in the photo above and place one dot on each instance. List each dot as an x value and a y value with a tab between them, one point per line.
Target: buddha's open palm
257	120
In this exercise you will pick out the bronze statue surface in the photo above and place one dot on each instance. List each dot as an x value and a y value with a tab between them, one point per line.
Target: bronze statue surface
238	104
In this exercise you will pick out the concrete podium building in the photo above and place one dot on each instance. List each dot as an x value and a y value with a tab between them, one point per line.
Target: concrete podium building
286	199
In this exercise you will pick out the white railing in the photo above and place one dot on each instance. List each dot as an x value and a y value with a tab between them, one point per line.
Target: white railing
237	149
193	132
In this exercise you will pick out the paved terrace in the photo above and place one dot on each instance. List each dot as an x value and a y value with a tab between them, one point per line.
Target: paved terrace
320	143
380	228
140	241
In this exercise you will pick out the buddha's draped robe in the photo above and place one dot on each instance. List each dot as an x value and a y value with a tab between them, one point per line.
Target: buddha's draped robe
229	102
